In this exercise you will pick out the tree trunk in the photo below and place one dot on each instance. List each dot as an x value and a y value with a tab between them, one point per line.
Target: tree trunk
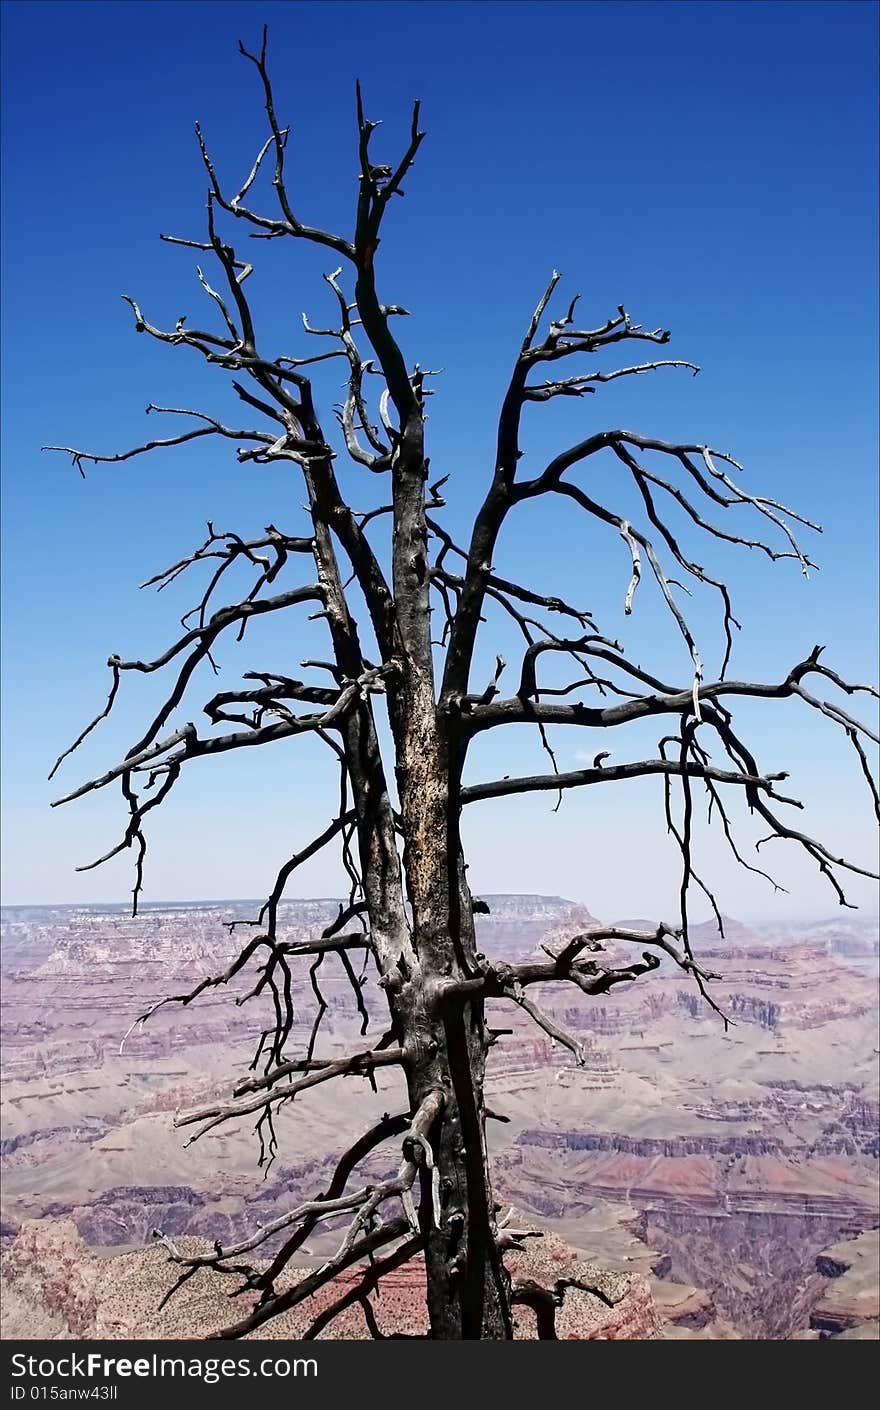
442	1035
446	1042
468	1290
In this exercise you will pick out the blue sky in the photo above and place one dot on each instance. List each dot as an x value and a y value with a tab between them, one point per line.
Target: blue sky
711	165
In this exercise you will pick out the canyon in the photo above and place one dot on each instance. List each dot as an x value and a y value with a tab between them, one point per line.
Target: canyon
727	1175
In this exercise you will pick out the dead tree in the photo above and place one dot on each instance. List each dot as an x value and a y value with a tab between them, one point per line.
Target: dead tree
410	911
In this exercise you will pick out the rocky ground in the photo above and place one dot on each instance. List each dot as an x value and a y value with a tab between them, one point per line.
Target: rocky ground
850	1303
53	1287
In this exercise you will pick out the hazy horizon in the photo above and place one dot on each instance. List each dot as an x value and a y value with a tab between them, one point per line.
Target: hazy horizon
697	917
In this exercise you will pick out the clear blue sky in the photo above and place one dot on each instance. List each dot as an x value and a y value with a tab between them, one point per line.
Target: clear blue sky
712	165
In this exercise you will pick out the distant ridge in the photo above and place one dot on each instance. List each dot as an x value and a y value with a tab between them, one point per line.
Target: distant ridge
234	902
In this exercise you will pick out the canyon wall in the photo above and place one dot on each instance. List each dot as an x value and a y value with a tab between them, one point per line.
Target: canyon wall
718	1163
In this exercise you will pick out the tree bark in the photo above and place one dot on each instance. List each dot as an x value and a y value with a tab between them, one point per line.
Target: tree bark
445	1041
